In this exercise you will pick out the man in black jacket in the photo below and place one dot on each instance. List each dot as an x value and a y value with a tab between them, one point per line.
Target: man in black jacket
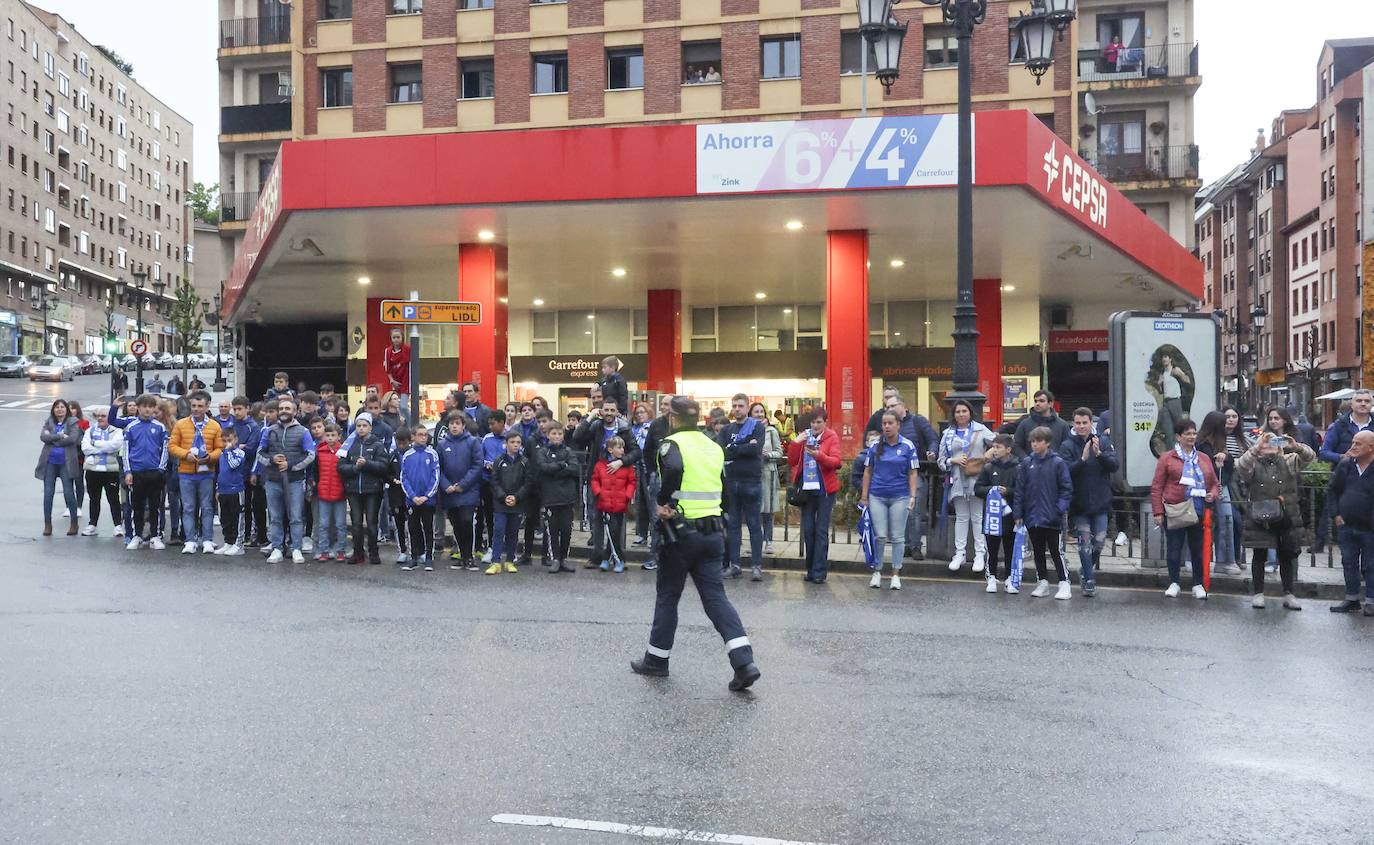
742	440
1350	496
1091	460
1041	414
659	428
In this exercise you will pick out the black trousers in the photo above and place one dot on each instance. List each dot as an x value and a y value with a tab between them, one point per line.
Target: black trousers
255	514
1044	540
1006	543
365	508
146	499
230	509
108	482
485	519
421	522
608	529
532	521
558	532
699	556
398	519
1287	565
463	520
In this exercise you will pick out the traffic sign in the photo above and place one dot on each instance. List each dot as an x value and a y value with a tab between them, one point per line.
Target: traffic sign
139	348
421	311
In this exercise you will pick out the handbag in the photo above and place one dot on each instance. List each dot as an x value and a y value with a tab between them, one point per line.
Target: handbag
1267	512
1180	514
796	496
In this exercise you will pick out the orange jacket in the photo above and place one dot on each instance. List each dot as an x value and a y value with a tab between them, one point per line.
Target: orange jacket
184	434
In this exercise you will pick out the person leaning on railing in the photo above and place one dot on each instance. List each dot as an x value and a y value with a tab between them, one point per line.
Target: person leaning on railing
1267	477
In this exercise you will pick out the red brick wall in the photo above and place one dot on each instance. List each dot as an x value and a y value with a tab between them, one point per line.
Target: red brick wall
820	49
441	86
310	87
441	20
512	59
512	16
989	52
369	22
908	85
584	13
369	90
739	7
586	75
662	69
310	16
820	4
661	10
1063	119
739	57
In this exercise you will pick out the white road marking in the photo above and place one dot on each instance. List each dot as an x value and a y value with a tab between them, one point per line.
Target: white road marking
16	404
643	832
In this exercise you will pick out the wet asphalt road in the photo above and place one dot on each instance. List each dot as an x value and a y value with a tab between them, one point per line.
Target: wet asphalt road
155	698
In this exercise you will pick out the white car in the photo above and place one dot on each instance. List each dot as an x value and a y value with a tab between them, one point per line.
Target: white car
52	368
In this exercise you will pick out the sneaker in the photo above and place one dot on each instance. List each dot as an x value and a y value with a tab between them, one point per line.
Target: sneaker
733	571
1199	593
1041	590
266	548
916	554
340	556
1226	569
457	564
1271	568
605	566
429	565
768	547
156	544
1257	601
207	548
233	551
1089	589
1121	538
296	556
876	581
1347	606
88	531
135	544
307	544
1291	602
510	567
640	541
1012	589
471	565
895	583
118	531
402	558
619	569
957	562
66	514
409	566
992	586
494	569
190	548
321	557
978	564
1065	591
486	556
1172	592
275	557
1368	609
649	565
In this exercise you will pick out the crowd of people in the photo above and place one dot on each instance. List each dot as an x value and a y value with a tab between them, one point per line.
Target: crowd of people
492	488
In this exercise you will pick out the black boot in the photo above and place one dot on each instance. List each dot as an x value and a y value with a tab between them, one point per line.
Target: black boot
745	676
654	667
1347	606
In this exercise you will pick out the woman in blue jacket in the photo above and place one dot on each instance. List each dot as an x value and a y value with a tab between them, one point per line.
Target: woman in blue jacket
1043	494
460	483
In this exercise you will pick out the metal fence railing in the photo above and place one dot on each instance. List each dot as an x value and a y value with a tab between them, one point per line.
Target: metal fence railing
255	32
1153	162
1153	61
237	206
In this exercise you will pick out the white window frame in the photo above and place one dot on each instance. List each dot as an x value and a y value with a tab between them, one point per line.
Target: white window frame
123	192
50	221
64	84
121	160
122	257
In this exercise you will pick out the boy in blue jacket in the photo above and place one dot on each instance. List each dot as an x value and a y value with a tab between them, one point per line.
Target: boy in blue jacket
493	447
460	471
420	482
229	481
145	438
1043	493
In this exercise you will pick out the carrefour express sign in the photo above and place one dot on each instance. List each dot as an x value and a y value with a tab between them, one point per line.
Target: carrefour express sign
809	155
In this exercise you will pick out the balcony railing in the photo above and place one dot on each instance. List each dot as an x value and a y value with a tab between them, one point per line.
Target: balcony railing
267	117
1157	61
255	32
237	207
1154	163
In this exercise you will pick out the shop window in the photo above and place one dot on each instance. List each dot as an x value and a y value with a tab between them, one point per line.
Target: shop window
701	62
338	87
478	78
703	330
625	68
735	328
640	330
942	47
851	56
612	331
776	330
543	333
781	57
906	324
336	10
877	326
575	336
438	341
550	74
407	84
810	322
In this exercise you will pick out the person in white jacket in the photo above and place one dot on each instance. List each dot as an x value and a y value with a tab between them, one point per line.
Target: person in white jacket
961	456
102	446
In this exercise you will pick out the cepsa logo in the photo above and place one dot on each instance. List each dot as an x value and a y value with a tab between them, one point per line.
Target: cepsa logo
1078	187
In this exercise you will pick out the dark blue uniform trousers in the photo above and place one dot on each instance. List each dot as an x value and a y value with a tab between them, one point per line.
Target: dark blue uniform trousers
698	555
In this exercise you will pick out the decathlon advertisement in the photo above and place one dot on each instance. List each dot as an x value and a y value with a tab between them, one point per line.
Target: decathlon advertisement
1163	370
812	155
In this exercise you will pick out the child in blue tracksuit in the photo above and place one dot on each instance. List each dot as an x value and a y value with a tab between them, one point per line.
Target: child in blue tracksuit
420	482
145	440
229	481
493	447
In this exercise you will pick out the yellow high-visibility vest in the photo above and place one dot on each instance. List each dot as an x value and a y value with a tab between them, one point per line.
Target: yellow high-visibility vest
702	462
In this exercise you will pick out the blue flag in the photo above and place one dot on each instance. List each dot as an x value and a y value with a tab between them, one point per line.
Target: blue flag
869	539
1018	557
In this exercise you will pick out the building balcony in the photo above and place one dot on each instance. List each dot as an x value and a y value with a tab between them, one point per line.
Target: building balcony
1135	67
237	207
1155	167
255	120
254	32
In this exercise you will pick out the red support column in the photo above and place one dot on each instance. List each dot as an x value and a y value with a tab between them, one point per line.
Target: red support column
987	300
847	374
378	339
484	353
665	340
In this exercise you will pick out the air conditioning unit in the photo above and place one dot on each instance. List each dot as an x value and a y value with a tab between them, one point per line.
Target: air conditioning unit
329	344
1061	316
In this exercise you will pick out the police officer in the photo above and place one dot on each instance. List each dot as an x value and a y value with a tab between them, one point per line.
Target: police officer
693	543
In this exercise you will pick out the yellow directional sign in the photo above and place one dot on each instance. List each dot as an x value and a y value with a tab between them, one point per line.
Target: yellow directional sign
413	311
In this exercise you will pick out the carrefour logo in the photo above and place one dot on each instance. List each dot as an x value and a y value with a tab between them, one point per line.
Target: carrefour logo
1078	187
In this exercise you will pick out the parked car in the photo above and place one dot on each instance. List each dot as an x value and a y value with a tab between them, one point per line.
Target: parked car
14	366
52	368
90	363
127	363
178	361
150	361
106	363
163	360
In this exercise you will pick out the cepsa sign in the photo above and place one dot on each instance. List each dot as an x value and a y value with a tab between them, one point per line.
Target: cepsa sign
1079	187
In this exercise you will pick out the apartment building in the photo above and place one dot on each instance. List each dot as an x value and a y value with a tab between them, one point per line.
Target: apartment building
94	182
1137	71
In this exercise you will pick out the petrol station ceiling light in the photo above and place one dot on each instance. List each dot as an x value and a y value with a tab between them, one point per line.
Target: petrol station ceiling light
760	295
1008	288
618	272
591	316
794	225
504	300
364	280
897	263
538	303
787	310
486	235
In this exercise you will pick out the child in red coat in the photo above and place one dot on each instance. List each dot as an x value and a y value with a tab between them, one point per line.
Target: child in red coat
331	528
613	485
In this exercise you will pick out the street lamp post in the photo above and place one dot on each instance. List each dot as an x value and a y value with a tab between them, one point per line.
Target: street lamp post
1037	31
140	279
1257	318
212	317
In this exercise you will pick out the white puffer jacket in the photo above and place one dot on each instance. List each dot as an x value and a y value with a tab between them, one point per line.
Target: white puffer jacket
102	447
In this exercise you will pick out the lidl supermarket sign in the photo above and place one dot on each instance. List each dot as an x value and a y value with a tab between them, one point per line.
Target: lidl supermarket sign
810	155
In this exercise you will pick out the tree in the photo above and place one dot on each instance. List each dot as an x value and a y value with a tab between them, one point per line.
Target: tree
186	322
119	61
1310	365
203	202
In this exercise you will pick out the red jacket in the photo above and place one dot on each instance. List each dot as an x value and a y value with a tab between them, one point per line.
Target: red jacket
827	458
330	486
613	491
396	362
1166	486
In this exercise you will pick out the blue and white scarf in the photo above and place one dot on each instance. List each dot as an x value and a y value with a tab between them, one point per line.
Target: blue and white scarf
992	519
811	471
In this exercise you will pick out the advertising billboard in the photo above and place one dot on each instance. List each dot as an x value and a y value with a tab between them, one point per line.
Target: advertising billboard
1164	368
